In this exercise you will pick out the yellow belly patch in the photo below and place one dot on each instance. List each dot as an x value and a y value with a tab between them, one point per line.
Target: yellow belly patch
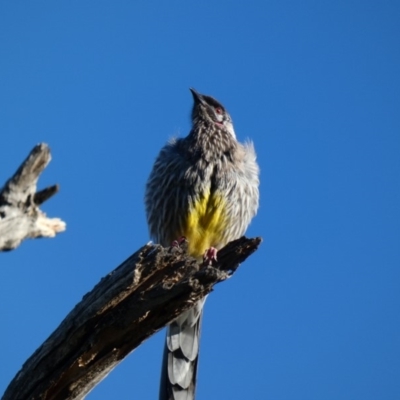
206	224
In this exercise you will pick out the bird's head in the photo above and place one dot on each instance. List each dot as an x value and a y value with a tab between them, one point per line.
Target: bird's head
208	110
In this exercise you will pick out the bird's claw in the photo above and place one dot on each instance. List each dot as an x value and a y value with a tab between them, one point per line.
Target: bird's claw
210	256
179	242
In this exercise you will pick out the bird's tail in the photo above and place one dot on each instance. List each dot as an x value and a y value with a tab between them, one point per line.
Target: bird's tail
181	355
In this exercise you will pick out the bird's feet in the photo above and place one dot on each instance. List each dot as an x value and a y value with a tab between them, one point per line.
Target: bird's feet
210	256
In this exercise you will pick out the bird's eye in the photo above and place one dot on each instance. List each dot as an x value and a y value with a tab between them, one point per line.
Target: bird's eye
218	110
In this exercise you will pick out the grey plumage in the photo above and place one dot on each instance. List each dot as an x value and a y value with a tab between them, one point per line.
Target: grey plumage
203	187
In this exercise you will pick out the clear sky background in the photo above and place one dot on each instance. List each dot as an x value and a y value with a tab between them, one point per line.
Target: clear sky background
314	314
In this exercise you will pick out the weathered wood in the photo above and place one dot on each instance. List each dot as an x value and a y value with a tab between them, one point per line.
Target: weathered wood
141	296
20	216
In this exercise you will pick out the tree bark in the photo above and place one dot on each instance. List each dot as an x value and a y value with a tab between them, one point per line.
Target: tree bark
145	293
20	216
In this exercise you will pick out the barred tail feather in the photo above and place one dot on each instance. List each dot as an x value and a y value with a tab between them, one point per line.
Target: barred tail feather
181	355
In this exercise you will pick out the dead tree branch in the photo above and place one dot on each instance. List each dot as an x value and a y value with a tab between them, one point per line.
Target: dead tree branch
146	292
20	216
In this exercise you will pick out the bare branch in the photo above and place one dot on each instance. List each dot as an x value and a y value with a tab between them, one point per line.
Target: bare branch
44	194
145	293
20	216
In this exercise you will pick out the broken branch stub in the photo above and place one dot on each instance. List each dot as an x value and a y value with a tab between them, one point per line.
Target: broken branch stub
20	216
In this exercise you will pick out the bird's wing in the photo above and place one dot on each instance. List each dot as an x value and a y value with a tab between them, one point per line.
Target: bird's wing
166	197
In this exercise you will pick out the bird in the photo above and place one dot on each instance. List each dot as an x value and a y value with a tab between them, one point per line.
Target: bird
204	189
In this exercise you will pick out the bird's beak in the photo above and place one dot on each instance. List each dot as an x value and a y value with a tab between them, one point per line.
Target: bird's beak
197	97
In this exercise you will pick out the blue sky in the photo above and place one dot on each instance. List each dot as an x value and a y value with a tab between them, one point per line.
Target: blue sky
314	314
